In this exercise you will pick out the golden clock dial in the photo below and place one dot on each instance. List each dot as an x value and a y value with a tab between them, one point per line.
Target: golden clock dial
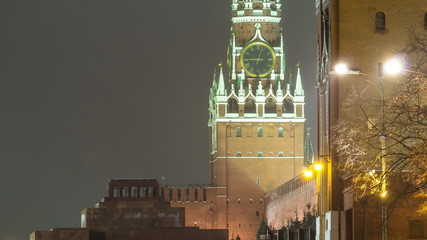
258	59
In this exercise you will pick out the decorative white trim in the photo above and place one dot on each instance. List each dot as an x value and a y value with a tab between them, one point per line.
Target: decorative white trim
290	157
267	120
256	19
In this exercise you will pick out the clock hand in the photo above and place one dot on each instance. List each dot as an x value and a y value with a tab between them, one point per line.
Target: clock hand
259	55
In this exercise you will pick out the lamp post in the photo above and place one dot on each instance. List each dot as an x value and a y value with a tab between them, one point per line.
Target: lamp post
391	67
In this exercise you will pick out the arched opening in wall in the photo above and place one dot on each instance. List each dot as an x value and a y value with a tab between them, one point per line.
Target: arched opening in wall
170	194
134	192
259	154
204	194
238	131
379	21
270	105
187	195
179	195
196	195
281	154
259	133
249	154
238	154
232	106
280	132
250	106
257	213
288	105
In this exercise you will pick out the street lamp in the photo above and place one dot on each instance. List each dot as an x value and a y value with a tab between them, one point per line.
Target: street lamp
391	67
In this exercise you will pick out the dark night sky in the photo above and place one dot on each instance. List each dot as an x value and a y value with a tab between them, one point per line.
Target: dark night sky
93	90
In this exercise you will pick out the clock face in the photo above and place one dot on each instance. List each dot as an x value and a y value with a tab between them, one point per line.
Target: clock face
258	59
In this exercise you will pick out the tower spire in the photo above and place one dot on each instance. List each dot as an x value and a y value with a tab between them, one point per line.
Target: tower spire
221	84
299	91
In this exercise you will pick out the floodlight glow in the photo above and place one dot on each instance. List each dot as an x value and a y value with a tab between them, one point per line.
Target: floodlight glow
308	173
318	166
341	68
393	67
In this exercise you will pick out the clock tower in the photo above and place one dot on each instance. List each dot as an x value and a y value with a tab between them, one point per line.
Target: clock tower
256	118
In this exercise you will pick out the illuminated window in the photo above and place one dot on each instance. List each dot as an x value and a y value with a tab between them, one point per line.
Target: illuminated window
380	21
259	132
238	131
280	134
257	180
281	154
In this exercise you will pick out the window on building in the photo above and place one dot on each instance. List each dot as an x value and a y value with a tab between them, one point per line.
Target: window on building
281	154
415	229
232	106
270	105
257	180
187	195
280	134
116	192
238	132
134	192
257	213
250	106
288	105
238	154
179	195
259	132
144	190
204	194
380	21
151	192
238	201
196	195
259	154
170	194
250	201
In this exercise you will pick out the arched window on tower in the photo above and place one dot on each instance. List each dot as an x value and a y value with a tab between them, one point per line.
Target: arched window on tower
281	154
179	195
238	131
379	21
259	132
288	105
196	195
232	106
270	105
250	106
280	134
259	154
238	154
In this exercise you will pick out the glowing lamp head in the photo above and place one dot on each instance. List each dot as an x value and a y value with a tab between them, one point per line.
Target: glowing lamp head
308	173
341	69
393	67
318	166
384	194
